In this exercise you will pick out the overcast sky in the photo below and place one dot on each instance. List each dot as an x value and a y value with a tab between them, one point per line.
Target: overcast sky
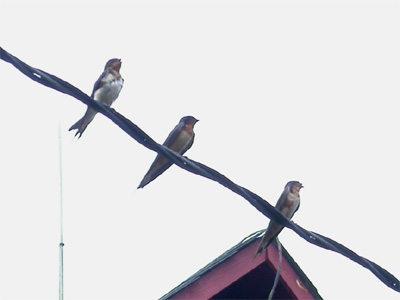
284	90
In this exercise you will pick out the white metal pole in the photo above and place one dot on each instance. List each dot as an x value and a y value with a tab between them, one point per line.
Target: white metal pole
61	254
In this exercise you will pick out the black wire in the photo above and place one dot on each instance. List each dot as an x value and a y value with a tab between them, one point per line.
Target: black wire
197	168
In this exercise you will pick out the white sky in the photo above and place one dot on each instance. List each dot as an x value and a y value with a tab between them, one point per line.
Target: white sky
284	90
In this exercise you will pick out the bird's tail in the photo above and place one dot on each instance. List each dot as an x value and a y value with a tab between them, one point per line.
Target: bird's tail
83	122
260	249
159	166
146	180
265	241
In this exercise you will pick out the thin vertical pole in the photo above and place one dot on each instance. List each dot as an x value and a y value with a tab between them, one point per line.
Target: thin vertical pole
61	254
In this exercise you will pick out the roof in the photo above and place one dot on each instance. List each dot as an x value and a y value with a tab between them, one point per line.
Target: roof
208	284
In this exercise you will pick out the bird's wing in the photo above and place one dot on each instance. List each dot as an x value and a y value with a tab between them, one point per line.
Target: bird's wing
159	166
99	83
282	200
173	135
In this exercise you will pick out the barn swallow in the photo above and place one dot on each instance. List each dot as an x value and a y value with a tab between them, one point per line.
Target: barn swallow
288	203
105	91
179	140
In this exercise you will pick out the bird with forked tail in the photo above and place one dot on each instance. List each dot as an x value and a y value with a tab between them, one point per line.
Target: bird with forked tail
105	91
288	203
179	140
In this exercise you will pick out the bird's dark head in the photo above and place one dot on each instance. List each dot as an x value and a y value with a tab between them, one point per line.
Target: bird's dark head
114	63
294	187
189	120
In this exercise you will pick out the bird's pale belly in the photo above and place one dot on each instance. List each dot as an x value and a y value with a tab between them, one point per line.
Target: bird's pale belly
181	142
107	94
291	206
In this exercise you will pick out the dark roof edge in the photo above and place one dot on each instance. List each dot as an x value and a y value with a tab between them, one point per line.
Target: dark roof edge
232	251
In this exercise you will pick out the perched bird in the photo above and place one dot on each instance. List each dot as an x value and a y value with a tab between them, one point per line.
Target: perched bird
179	140
288	203
105	91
